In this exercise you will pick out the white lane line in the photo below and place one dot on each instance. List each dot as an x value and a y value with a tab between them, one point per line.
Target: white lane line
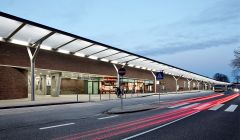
139	134
107	117
202	106
98	114
178	105
216	107
56	126
191	105
231	108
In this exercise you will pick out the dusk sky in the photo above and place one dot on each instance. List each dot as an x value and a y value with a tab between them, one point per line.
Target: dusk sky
197	35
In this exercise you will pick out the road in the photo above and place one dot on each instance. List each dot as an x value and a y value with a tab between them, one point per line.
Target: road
201	116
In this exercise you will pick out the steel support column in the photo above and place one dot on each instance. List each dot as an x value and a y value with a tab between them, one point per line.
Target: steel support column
198	84
32	58
176	80
155	84
205	86
189	84
210	86
117	75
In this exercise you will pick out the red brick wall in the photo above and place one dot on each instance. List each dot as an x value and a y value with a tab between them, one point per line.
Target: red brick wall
181	83
137	73
72	86
16	55
13	83
168	82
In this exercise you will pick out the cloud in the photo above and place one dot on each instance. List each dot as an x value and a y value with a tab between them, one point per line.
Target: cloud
186	46
221	12
215	26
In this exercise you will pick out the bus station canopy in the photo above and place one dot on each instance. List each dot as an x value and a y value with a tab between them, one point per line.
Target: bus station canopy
27	33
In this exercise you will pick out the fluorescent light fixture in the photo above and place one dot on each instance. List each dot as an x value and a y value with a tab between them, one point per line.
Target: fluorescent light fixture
19	42
63	51
93	57
148	69
123	63
1	38
105	60
79	54
45	47
114	62
153	69
144	68
137	66
131	65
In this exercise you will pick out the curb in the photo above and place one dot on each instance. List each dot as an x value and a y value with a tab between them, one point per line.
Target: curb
36	105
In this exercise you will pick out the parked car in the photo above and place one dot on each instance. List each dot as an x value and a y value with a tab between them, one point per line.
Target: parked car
235	87
219	88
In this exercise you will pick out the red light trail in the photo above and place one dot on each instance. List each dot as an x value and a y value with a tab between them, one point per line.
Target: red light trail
144	123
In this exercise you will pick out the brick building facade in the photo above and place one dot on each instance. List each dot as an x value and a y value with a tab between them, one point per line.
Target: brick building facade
14	80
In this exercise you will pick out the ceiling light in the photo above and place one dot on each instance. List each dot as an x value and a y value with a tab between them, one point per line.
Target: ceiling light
63	51
19	42
93	57
45	47
105	60
79	54
131	65
114	62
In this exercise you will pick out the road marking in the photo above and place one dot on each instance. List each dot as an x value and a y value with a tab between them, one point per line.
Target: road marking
231	108
107	117
178	105
56	126
216	107
191	105
202	106
139	134
98	114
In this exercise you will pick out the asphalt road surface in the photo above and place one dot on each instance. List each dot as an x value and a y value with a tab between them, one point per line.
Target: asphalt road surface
191	116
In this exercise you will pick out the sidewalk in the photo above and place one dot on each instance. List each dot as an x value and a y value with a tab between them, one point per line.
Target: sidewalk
44	100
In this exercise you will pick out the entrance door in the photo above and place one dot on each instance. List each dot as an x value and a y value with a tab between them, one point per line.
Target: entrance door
95	87
90	87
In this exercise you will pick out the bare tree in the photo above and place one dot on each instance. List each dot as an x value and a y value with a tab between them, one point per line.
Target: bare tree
221	77
236	65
